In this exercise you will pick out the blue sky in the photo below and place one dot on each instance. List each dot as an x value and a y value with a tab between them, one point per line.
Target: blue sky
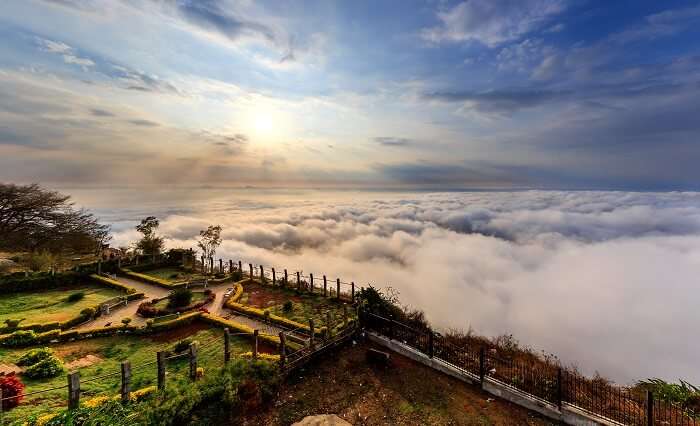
436	94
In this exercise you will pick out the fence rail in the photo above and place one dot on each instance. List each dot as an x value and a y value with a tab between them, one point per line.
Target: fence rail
549	384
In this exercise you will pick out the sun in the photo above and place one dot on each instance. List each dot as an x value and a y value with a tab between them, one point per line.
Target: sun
263	123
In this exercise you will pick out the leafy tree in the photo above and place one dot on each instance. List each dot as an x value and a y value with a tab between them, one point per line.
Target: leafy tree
209	240
33	218
150	243
180	297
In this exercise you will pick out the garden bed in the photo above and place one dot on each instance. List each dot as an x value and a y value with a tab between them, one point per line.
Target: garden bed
160	307
103	355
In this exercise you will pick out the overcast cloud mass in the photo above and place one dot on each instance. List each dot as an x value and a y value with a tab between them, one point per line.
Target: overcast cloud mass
606	280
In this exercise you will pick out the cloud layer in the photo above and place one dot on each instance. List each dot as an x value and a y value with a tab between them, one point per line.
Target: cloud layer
605	280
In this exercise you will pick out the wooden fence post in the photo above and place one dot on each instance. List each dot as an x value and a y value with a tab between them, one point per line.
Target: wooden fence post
274	277
337	289
160	360
325	287
650	408
482	366
227	345
211	264
230	266
73	390
221	266
126	380
311	333
250	265
560	385
311	283
298	281
283	351
255	344
193	361
352	293
240	268
285	279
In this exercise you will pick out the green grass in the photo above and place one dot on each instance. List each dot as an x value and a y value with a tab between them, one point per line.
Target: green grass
304	306
52	305
197	296
171	274
111	351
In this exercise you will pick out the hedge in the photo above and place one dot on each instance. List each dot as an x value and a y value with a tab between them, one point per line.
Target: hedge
38	327
113	283
151	280
43	281
260	313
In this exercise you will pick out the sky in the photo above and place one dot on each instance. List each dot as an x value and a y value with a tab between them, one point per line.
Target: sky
548	94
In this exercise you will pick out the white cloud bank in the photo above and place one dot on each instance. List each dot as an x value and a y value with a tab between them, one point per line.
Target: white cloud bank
608	280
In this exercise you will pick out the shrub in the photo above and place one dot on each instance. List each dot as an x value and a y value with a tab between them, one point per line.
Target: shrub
76	296
44	369
173	276
13	323
20	338
182	346
11	387
88	312
288	305
34	356
180	297
40	261
126	321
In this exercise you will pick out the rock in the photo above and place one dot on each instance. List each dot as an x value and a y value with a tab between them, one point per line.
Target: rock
322	420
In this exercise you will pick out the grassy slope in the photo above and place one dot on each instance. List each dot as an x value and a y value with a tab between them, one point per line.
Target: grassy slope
405	393
171	274
51	305
111	351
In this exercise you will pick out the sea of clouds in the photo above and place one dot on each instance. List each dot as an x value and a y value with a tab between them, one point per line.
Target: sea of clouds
609	281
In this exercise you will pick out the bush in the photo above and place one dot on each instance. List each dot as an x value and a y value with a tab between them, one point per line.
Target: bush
11	387
88	312
76	296
173	276
34	356
182	346
40	261
44	369
180	297
126	321
288	305
13	323
20	338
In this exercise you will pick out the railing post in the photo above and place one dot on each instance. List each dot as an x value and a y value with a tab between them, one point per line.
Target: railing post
227	345
650	408
298	281
211	264
311	332
193	361
560	388
262	274
240	268
230	266
286	279
352	291
126	381
431	347
73	390
160	358
255	344
482	366
337	288
274	277
311	283
251	271
283	350
325	287
221	266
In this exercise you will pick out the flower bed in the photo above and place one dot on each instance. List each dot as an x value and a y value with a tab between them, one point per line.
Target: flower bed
151	309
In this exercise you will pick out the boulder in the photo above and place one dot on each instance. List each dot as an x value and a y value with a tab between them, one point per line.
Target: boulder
322	420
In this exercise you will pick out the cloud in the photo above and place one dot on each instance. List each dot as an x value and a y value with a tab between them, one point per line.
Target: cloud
393	141
443	174
97	112
143	123
501	101
492	22
566	272
67	52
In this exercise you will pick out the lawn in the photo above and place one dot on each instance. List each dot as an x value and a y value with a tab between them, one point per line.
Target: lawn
172	274
101	356
52	305
304	305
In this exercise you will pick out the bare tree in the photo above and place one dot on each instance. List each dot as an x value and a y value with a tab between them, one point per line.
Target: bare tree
209	240
33	218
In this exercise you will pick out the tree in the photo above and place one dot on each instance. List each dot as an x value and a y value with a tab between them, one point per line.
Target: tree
150	243
209	240
33	218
